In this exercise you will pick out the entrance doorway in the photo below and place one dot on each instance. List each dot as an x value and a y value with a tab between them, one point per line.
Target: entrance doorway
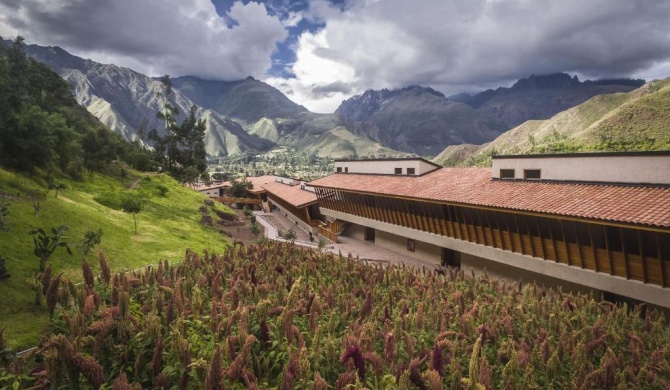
451	258
369	234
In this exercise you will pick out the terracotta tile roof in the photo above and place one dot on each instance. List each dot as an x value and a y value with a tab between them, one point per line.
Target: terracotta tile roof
294	195
474	186
213	186
259	181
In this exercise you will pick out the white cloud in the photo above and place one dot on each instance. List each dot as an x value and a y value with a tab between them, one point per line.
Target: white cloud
450	45
453	45
153	36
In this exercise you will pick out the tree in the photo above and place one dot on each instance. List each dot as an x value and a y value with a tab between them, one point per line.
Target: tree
182	148
133	205
46	245
90	240
57	187
240	189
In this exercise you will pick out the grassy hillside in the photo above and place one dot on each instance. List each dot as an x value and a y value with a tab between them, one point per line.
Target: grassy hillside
168	224
633	121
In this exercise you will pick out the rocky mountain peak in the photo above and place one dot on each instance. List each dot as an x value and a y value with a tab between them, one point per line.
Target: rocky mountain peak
362	107
556	80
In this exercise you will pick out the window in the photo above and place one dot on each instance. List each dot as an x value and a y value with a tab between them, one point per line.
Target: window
398	171
346	169
410	171
531	174
339	169
507	173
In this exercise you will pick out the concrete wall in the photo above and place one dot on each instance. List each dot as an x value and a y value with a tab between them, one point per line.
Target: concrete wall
384	167
481	266
355	231
653	294
615	169
398	244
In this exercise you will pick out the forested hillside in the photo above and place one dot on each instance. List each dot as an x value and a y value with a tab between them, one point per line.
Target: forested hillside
42	128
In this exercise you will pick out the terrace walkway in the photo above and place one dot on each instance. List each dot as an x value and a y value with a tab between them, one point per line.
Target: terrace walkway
276	222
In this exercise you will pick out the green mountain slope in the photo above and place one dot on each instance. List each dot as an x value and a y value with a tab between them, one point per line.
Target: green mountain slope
632	121
168	224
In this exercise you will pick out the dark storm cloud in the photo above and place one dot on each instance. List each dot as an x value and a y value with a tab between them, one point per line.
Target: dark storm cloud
345	47
163	36
458	45
331	88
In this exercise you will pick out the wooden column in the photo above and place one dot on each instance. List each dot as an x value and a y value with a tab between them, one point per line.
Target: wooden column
539	234
596	259
565	242
643	260
661	261
625	254
609	250
579	246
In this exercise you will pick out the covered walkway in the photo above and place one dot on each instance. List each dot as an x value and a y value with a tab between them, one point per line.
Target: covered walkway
276	223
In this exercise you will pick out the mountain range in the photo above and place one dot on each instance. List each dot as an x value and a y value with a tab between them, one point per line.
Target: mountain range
633	121
251	116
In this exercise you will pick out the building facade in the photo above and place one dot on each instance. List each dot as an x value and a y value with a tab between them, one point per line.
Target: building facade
556	225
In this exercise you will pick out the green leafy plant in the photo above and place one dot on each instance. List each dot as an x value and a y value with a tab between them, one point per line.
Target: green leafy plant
46	245
321	243
132	205
57	187
255	229
290	235
90	240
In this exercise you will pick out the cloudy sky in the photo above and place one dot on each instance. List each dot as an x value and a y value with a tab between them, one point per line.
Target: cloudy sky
319	52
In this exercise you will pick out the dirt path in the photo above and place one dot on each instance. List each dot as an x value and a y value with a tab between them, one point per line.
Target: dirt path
135	182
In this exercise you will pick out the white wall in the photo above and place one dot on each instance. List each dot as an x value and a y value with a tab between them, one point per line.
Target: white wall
384	167
616	169
214	193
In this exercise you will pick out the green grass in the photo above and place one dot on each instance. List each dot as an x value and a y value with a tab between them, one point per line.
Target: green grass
168	224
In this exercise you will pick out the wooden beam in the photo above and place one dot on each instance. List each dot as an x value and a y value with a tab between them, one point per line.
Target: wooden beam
661	261
645	276
609	250
565	242
625	254
539	234
509	234
465	224
579	245
596	259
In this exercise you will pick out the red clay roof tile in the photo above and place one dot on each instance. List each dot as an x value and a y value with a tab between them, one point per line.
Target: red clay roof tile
294	195
474	186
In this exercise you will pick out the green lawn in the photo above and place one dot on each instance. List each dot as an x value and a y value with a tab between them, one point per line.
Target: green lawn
168	224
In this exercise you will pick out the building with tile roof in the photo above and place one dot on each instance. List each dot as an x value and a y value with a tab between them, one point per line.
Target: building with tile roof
297	201
593	222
